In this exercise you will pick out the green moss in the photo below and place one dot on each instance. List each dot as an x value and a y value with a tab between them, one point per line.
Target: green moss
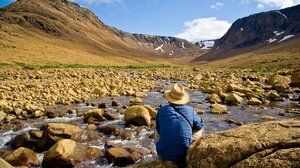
117	67
4	65
51	65
267	68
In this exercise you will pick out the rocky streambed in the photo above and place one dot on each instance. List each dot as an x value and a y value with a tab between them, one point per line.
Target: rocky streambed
101	129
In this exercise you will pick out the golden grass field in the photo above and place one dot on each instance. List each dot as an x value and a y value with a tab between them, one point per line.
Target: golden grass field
52	34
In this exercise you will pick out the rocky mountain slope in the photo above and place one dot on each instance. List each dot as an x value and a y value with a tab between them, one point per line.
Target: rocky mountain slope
206	44
59	31
255	32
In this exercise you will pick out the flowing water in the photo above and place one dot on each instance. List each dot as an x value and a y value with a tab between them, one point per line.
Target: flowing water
142	137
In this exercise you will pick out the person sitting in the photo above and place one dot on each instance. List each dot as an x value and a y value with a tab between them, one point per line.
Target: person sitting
175	123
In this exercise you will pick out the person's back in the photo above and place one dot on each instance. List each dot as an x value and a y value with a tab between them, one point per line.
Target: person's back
174	124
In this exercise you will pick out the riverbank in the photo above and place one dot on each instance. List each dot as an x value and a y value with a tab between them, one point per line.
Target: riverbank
31	100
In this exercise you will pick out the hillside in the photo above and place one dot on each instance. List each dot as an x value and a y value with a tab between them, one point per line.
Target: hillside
261	35
62	32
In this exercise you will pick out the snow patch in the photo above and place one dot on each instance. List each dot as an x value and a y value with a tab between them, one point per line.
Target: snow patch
286	37
282	14
160	48
278	33
182	44
241	29
271	40
171	53
206	44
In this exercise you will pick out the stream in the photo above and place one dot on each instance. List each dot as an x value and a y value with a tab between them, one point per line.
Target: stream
142	137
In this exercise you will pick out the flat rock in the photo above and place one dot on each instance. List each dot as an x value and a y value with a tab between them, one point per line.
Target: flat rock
267	144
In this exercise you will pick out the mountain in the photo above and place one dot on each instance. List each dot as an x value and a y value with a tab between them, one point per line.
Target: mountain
62	32
258	33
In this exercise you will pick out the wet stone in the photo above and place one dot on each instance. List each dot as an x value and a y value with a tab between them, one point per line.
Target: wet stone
21	140
110	116
36	134
22	157
115	103
102	105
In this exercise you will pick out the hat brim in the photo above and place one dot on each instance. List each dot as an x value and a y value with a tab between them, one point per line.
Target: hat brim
184	100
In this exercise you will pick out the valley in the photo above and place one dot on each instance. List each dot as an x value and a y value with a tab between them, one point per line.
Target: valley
76	92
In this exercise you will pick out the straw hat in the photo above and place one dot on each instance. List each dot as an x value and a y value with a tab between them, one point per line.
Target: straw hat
177	95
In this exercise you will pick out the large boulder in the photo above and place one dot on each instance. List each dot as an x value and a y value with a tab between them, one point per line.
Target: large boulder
57	131
22	157
68	153
267	144
138	115
280	83
279	79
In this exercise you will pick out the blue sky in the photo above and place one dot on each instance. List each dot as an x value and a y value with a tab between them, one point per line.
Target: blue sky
193	20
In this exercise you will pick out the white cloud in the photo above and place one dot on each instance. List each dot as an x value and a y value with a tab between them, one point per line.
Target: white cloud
260	6
204	29
217	5
279	3
272	3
